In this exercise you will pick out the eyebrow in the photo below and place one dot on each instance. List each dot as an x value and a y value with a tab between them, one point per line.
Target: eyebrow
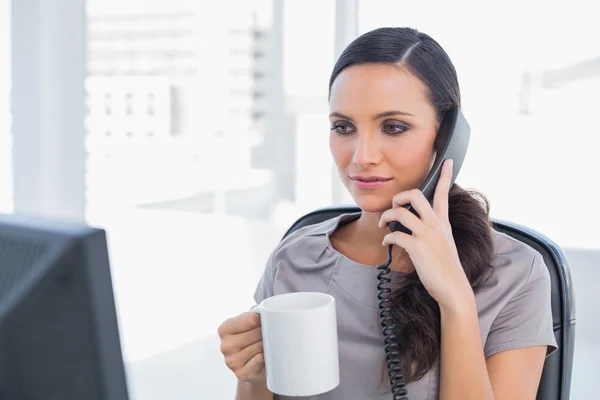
384	114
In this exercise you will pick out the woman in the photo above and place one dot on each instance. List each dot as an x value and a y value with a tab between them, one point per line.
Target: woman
471	305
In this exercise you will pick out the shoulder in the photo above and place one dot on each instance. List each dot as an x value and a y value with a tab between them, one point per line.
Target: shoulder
517	262
300	262
518	278
308	243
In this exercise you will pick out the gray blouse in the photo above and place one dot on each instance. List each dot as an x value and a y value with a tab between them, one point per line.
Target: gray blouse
513	305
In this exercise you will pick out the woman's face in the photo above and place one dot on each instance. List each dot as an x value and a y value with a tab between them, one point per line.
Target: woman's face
383	129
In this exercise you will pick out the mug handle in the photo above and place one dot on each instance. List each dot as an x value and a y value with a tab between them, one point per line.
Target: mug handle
256	309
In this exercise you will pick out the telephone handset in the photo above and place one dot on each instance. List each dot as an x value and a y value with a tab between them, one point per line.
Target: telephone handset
451	142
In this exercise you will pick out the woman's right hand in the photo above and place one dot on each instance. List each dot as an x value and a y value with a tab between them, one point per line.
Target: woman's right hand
242	347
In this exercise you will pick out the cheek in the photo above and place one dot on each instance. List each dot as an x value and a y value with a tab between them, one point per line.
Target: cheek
410	157
411	161
341	150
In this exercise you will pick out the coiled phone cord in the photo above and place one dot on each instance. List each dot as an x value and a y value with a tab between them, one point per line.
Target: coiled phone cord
392	348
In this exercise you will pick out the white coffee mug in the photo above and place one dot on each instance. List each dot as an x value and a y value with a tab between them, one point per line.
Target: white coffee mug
300	343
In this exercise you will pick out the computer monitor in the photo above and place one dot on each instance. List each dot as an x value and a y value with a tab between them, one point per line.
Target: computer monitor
59	336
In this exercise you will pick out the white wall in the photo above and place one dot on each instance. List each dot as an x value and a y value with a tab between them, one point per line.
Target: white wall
5	143
538	170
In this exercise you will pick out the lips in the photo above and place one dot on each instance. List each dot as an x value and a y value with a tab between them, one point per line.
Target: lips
369	182
370	178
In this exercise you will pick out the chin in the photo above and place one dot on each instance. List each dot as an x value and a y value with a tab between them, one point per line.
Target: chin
372	203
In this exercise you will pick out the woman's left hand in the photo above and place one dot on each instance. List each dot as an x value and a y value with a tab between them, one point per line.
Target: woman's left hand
431	246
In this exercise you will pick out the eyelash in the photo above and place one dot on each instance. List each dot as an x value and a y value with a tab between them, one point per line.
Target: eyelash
402	128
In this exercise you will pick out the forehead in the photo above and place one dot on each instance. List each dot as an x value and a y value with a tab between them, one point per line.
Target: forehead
374	87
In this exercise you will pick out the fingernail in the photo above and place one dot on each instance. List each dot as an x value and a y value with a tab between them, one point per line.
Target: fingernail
450	164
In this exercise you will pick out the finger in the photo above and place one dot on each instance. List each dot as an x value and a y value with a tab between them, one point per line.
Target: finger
235	343
440	197
242	323
240	359
401	239
254	367
405	217
418	201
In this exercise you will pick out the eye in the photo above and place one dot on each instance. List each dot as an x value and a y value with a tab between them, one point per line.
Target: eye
394	129
342	128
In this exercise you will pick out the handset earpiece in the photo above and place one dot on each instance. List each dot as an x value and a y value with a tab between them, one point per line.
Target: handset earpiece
452	142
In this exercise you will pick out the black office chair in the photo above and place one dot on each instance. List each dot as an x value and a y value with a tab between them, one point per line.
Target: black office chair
556	376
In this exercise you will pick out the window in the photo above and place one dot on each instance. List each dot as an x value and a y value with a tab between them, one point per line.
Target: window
179	165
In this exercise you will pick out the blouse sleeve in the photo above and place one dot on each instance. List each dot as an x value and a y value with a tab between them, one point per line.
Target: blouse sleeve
526	320
264	288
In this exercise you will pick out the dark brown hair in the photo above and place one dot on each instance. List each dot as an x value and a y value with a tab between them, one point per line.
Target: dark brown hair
416	314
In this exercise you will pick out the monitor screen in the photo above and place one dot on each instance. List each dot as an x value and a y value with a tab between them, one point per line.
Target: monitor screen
59	335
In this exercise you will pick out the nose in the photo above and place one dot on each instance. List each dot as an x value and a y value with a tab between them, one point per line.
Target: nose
367	152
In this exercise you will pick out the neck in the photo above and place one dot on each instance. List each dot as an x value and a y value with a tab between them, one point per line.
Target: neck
368	232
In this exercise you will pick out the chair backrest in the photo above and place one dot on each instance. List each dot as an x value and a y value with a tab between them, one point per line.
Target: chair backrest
556	377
